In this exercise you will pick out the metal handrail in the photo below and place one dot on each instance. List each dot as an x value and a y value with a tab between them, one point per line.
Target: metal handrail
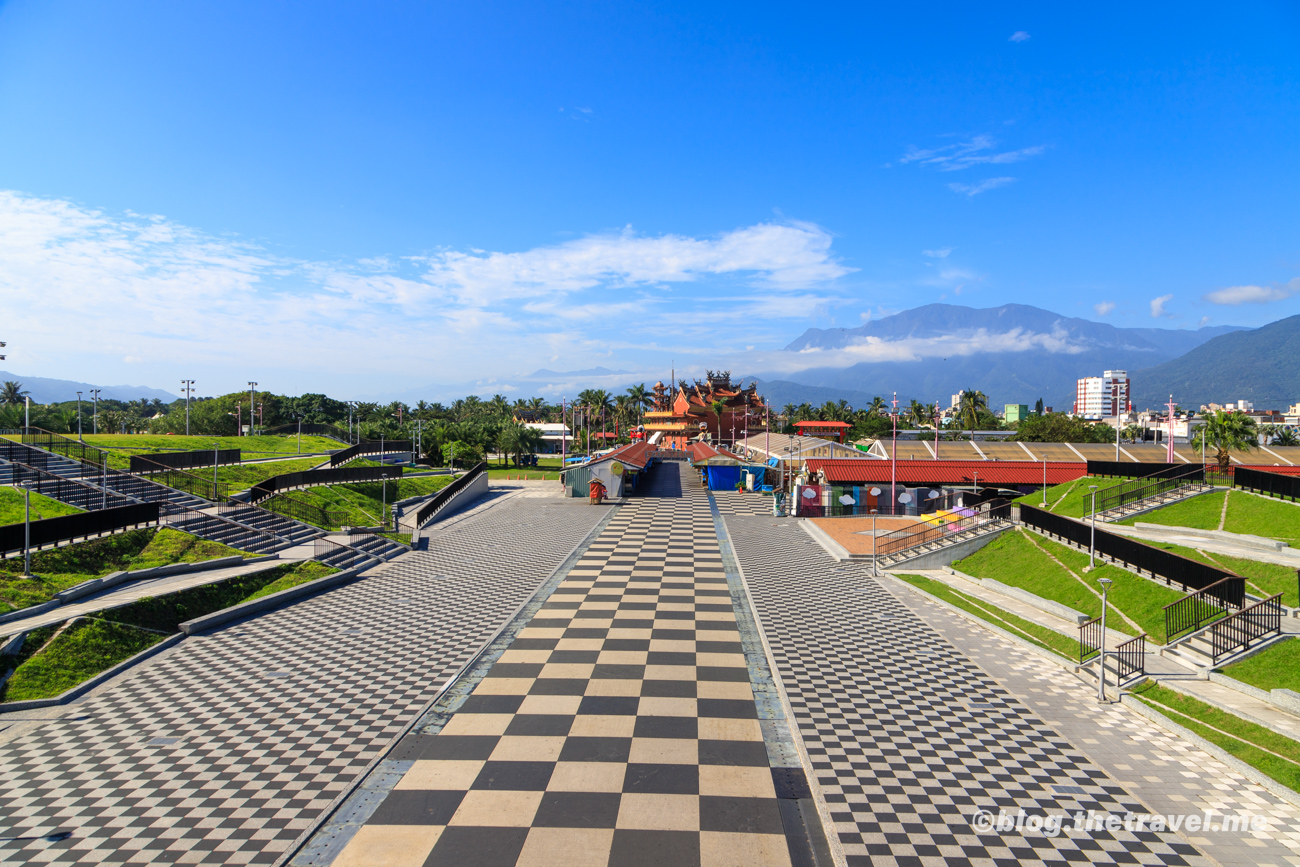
1089	638
58	443
315	478
1210	603
1131	657
440	499
1237	631
300	510
990	512
369	447
1154	485
208	489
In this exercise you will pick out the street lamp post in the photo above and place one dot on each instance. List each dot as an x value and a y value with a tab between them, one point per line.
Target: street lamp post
893	461
875	540
1044	481
1092	536
79	417
252	400
27	532
189	390
94	414
1101	651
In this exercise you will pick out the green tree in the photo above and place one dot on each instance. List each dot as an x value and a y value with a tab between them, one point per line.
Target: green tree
13	394
1226	432
1060	427
972	403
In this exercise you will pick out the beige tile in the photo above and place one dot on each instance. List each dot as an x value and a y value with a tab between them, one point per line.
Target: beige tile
587	777
489	807
721	660
614	687
719	729
541	632
580	644
715	615
664	751
524	748
560	704
722	849
665	706
566	847
599	726
567	670
599	606
675	606
723	689
659	812
737	782
665	645
622	657
446	775
628	632
389	846
525	656
477	724
670	672
504	686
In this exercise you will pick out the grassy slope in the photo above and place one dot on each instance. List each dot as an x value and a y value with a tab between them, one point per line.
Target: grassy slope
1262	579
61	568
244	476
1247	513
83	650
363	504
12	510
1013	560
259	446
1180	707
1277	667
1200	513
1046	638
1077	503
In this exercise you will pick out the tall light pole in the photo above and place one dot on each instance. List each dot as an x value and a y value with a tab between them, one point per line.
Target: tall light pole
94	416
189	390
875	540
893	461
1170	444
1101	651
1044	481
27	532
79	417
1092	536
252	395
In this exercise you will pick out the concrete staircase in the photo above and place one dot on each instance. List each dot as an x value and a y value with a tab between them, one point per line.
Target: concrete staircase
1148	504
895	558
1194	651
295	532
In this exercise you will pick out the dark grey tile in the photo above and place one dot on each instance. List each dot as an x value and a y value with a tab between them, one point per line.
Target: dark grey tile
727	707
740	815
411	807
666	727
540	725
596	749
577	810
655	849
516	776
609	705
662	779
468	846
752	754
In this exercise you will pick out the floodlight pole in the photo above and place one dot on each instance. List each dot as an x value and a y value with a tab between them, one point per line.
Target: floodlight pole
1117	437
875	540
27	403
189	390
1044	482
893	461
79	417
94	414
27	532
215	461
1092	538
1101	651
252	400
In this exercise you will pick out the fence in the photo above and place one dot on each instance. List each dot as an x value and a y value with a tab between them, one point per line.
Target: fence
1131	657
51	531
316	478
237	535
1197	609
301	510
61	445
1089	639
1144	488
368	448
1273	484
312	428
70	491
911	537
184	460
1128	469
1158	563
1238	631
440	499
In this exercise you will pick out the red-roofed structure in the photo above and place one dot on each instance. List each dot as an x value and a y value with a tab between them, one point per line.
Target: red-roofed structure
838	431
993	473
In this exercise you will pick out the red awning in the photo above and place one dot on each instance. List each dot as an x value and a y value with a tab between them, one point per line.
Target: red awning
995	473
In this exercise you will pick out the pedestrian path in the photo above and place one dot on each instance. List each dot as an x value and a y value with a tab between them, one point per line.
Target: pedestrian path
619	728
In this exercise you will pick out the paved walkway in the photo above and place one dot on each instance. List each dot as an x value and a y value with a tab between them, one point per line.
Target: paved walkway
620	727
225	749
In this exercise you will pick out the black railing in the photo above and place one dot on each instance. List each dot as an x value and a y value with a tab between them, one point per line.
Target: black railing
65	528
1158	563
1128	469
440	499
199	486
1197	609
1158	485
61	445
157	487
1131	657
1089	639
911	537
301	510
328	550
375	447
1273	484
70	491
184	460
316	478
217	528
1236	632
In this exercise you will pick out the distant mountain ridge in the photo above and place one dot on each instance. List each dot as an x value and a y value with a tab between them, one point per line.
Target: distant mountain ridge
45	390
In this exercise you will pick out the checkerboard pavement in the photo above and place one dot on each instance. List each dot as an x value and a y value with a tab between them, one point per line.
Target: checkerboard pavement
224	750
908	737
619	728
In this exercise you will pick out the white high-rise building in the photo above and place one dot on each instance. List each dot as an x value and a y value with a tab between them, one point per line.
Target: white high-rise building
1104	396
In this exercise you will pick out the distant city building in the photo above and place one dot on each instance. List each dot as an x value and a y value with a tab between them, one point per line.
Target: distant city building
956	401
1242	406
1015	412
1104	396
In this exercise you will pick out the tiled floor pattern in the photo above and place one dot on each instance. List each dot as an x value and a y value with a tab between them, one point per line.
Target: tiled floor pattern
224	750
737	503
1169	774
619	728
908	737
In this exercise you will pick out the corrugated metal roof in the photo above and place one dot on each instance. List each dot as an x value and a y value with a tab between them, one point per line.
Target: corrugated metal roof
949	472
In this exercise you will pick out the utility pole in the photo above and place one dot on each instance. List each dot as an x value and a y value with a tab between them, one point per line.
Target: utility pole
1101	651
189	390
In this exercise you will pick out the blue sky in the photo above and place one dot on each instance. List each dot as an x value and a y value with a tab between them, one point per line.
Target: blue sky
432	198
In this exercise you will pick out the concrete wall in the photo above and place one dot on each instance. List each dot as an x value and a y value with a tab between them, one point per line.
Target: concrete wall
949	555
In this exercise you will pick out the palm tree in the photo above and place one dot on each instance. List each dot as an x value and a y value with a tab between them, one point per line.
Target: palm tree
499	406
968	410
13	394
718	406
1225	432
1285	436
917	412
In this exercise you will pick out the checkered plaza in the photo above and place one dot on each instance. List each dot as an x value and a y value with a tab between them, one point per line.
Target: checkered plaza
679	678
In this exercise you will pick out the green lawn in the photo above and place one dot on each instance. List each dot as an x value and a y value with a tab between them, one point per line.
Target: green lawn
80	652
1262	579
1013	559
548	468
243	476
12	510
1048	639
1277	667
366	504
60	568
1200	512
252	447
1259	747
1247	513
1077	500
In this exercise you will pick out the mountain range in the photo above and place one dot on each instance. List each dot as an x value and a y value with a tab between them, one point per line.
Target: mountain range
44	390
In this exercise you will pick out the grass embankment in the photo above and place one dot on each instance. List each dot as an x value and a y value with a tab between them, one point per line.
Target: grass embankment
366	504
60	568
1262	579
1261	748
241	477
12	510
547	468
1247	513
1041	636
1021	560
252	447
1072	499
46	667
1276	667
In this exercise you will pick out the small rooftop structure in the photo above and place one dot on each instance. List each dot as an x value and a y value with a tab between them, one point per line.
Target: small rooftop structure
785	447
839	430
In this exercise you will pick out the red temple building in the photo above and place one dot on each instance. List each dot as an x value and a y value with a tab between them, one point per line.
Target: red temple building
742	409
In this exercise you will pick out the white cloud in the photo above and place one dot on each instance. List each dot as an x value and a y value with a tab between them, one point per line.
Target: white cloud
963	155
1158	305
981	187
1104	308
937	254
1234	295
1018	36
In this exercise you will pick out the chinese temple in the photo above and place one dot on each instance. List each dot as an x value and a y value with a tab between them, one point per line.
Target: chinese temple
741	408
665	426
